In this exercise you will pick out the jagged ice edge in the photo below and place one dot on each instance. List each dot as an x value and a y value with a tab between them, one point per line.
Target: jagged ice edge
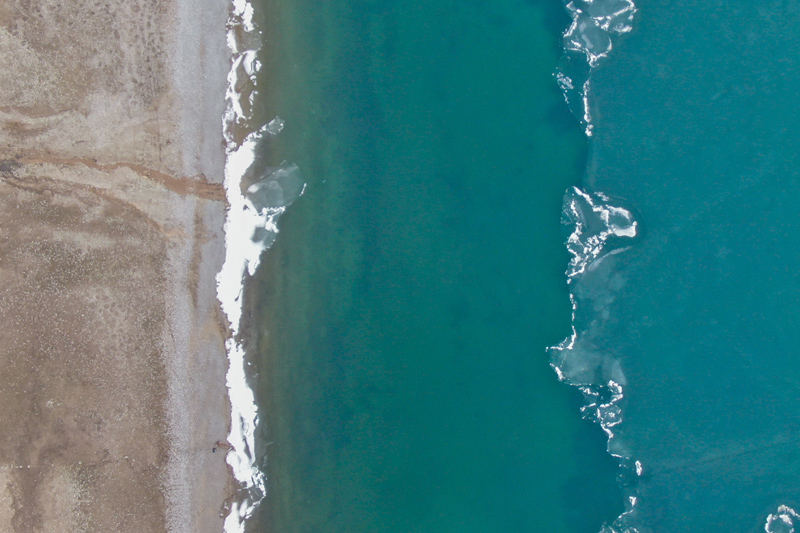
241	253
595	222
594	24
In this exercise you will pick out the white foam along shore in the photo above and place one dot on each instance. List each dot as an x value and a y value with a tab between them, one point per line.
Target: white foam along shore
250	228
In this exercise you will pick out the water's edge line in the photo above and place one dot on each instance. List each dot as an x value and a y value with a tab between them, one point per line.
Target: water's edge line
257	196
230	280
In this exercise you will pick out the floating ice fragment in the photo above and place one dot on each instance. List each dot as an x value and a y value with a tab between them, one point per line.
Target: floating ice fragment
595	23
278	187
615	16
564	81
578	365
584	35
275	126
782	521
595	223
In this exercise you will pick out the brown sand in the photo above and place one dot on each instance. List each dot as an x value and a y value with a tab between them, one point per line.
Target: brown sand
112	365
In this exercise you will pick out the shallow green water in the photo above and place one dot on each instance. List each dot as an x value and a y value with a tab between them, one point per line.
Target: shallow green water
403	314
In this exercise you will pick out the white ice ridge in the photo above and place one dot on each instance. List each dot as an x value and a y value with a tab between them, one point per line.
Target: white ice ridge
594	221
782	521
250	228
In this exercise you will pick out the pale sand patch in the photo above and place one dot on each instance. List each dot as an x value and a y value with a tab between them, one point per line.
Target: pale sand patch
111	157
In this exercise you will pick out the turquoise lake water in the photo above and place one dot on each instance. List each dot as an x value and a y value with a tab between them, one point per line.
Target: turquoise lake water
695	319
401	320
402	326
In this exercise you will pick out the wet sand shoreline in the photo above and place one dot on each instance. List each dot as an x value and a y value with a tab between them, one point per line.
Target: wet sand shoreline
112	394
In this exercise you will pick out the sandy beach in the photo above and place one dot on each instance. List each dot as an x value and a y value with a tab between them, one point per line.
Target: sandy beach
112	389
